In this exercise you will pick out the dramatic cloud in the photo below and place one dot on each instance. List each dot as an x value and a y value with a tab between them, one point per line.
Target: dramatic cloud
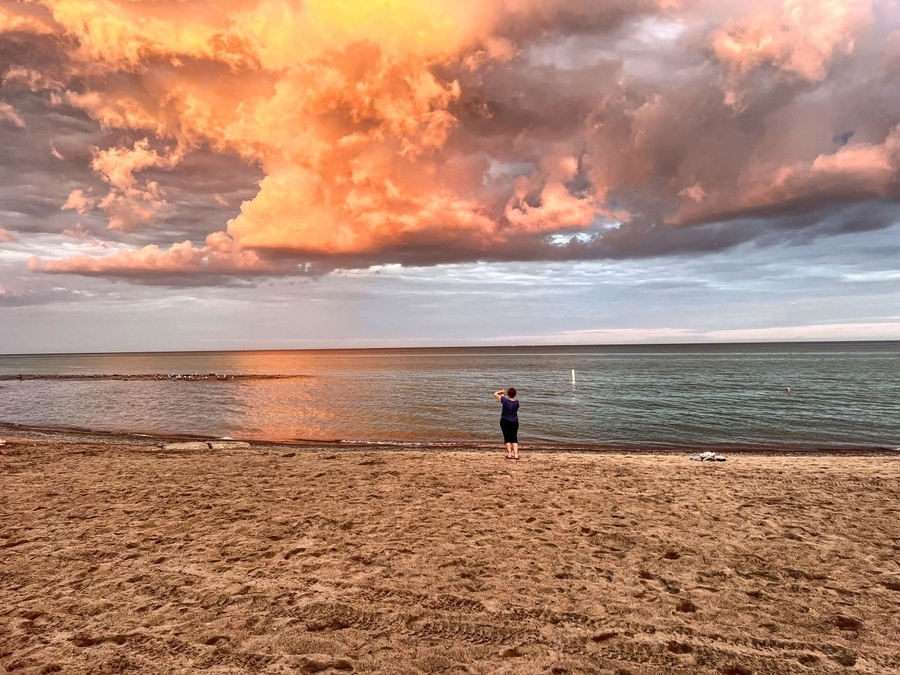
77	231
128	204
852	172
422	132
796	36
218	256
8	114
78	201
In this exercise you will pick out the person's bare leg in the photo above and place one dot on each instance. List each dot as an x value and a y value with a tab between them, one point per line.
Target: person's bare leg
509	451
515	450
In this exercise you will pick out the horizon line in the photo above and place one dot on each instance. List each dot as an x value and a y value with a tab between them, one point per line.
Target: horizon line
709	343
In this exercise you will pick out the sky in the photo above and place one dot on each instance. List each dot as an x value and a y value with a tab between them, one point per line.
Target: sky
274	174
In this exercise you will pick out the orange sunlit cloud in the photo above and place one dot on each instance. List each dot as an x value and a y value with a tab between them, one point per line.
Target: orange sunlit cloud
216	256
339	127
797	36
336	101
8	114
862	168
382	127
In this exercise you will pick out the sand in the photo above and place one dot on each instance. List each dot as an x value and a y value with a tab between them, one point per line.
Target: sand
131	559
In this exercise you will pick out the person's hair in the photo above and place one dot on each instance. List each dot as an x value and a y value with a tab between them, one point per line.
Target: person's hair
511	392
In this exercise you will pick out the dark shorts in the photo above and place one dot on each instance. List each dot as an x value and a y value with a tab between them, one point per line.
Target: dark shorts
510	431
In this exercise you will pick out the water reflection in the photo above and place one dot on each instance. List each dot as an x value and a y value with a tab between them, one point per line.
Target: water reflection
652	396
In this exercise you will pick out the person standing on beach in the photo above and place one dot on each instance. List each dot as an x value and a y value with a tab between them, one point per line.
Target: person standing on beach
509	421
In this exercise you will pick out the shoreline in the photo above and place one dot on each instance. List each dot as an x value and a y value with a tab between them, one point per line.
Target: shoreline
71	435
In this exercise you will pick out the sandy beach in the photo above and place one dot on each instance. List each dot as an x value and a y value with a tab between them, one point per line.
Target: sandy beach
122	558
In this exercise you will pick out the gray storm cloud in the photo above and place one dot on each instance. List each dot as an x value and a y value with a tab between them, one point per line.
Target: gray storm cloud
280	138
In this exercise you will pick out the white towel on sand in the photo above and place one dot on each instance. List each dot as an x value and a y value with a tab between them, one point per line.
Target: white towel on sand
708	457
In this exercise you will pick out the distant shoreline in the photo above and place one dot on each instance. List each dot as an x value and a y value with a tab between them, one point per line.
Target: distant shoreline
75	435
496	347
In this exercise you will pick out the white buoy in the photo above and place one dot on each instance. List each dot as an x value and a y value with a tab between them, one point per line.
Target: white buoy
573	376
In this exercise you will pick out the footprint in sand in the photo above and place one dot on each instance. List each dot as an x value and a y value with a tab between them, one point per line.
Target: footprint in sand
213	640
85	641
844	657
604	637
808	659
736	670
317	663
678	647
844	622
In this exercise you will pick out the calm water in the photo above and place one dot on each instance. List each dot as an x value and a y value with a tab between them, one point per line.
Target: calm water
842	394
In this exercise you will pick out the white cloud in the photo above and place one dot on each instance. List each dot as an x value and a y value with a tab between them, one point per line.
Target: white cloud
815	332
627	336
883	330
879	275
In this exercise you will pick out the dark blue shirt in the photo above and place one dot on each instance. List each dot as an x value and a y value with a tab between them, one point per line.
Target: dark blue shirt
509	409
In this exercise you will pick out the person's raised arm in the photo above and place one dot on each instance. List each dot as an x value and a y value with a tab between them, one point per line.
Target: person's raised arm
499	394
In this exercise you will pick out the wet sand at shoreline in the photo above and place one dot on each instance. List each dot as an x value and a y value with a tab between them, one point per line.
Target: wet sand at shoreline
119	558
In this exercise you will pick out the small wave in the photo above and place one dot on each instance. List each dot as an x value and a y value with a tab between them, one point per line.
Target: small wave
419	444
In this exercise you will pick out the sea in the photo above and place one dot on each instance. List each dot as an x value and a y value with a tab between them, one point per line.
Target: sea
775	396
